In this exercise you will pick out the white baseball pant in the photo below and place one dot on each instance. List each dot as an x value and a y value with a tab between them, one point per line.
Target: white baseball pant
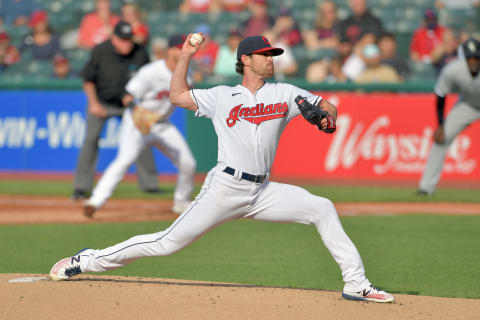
223	198
166	137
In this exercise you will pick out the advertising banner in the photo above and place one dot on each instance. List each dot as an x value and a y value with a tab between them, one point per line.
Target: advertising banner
44	131
379	137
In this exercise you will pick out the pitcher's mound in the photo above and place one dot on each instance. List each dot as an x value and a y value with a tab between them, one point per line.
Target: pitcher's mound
111	297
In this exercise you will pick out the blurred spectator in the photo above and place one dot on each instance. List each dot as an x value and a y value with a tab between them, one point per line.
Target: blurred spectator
456	4
227	55
426	38
132	14
375	71
16	12
233	5
8	53
159	48
61	68
333	70
259	20
96	27
198	6
285	29
43	43
354	64
324	34
388	52
446	51
285	64
360	23
205	57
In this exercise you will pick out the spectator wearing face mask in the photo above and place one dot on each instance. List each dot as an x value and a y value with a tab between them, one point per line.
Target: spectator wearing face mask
426	38
375	71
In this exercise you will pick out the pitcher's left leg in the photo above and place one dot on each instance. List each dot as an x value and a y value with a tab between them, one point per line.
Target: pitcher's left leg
287	203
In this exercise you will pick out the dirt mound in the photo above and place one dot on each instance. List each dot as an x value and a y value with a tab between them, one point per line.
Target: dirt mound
111	297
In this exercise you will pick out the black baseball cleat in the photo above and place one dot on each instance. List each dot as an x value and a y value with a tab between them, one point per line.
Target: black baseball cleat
423	193
79	195
153	190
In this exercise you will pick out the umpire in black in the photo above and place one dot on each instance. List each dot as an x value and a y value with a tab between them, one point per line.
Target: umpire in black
112	63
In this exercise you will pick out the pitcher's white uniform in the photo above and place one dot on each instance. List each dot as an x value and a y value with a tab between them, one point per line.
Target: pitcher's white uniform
150	87
248	128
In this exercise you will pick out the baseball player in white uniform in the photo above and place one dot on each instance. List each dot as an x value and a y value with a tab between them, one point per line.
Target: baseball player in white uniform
149	89
461	75
248	119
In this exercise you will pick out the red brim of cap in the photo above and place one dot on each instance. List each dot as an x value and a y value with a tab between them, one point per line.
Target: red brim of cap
274	51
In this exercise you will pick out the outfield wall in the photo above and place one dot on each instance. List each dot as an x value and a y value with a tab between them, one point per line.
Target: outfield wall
381	136
44	130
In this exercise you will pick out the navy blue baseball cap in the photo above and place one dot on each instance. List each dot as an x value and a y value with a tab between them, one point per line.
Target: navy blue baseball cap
471	48
123	30
256	44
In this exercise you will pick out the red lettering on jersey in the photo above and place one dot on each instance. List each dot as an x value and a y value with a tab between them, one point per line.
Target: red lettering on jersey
162	94
258	113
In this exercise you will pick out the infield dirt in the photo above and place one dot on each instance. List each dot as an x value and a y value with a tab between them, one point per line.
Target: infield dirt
109	297
112	297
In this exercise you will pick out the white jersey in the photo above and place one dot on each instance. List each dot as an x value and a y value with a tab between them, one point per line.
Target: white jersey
240	117
456	77
151	88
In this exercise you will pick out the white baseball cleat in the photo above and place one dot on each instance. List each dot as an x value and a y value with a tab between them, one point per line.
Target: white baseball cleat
68	267
369	294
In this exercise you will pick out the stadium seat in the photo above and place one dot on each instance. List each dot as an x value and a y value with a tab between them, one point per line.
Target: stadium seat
422	71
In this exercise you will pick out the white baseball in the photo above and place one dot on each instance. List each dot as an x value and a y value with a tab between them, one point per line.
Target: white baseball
196	38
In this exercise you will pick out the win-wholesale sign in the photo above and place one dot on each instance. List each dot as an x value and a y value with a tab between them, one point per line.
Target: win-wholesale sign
44	131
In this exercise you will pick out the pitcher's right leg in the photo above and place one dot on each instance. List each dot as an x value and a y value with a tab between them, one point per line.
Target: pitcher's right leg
287	203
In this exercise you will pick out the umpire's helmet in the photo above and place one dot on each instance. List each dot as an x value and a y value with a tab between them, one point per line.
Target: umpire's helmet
471	48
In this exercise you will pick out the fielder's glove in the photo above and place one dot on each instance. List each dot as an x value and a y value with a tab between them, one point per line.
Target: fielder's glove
314	115
144	119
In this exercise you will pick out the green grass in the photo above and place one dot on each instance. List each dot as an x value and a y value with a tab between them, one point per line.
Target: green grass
334	193
421	255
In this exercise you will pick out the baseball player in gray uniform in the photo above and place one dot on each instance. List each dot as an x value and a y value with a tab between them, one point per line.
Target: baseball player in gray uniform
248	119
460	75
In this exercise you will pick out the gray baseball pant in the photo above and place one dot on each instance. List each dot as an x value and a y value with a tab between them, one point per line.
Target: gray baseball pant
87	159
461	116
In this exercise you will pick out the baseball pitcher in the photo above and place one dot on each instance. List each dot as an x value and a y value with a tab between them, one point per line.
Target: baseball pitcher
248	119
